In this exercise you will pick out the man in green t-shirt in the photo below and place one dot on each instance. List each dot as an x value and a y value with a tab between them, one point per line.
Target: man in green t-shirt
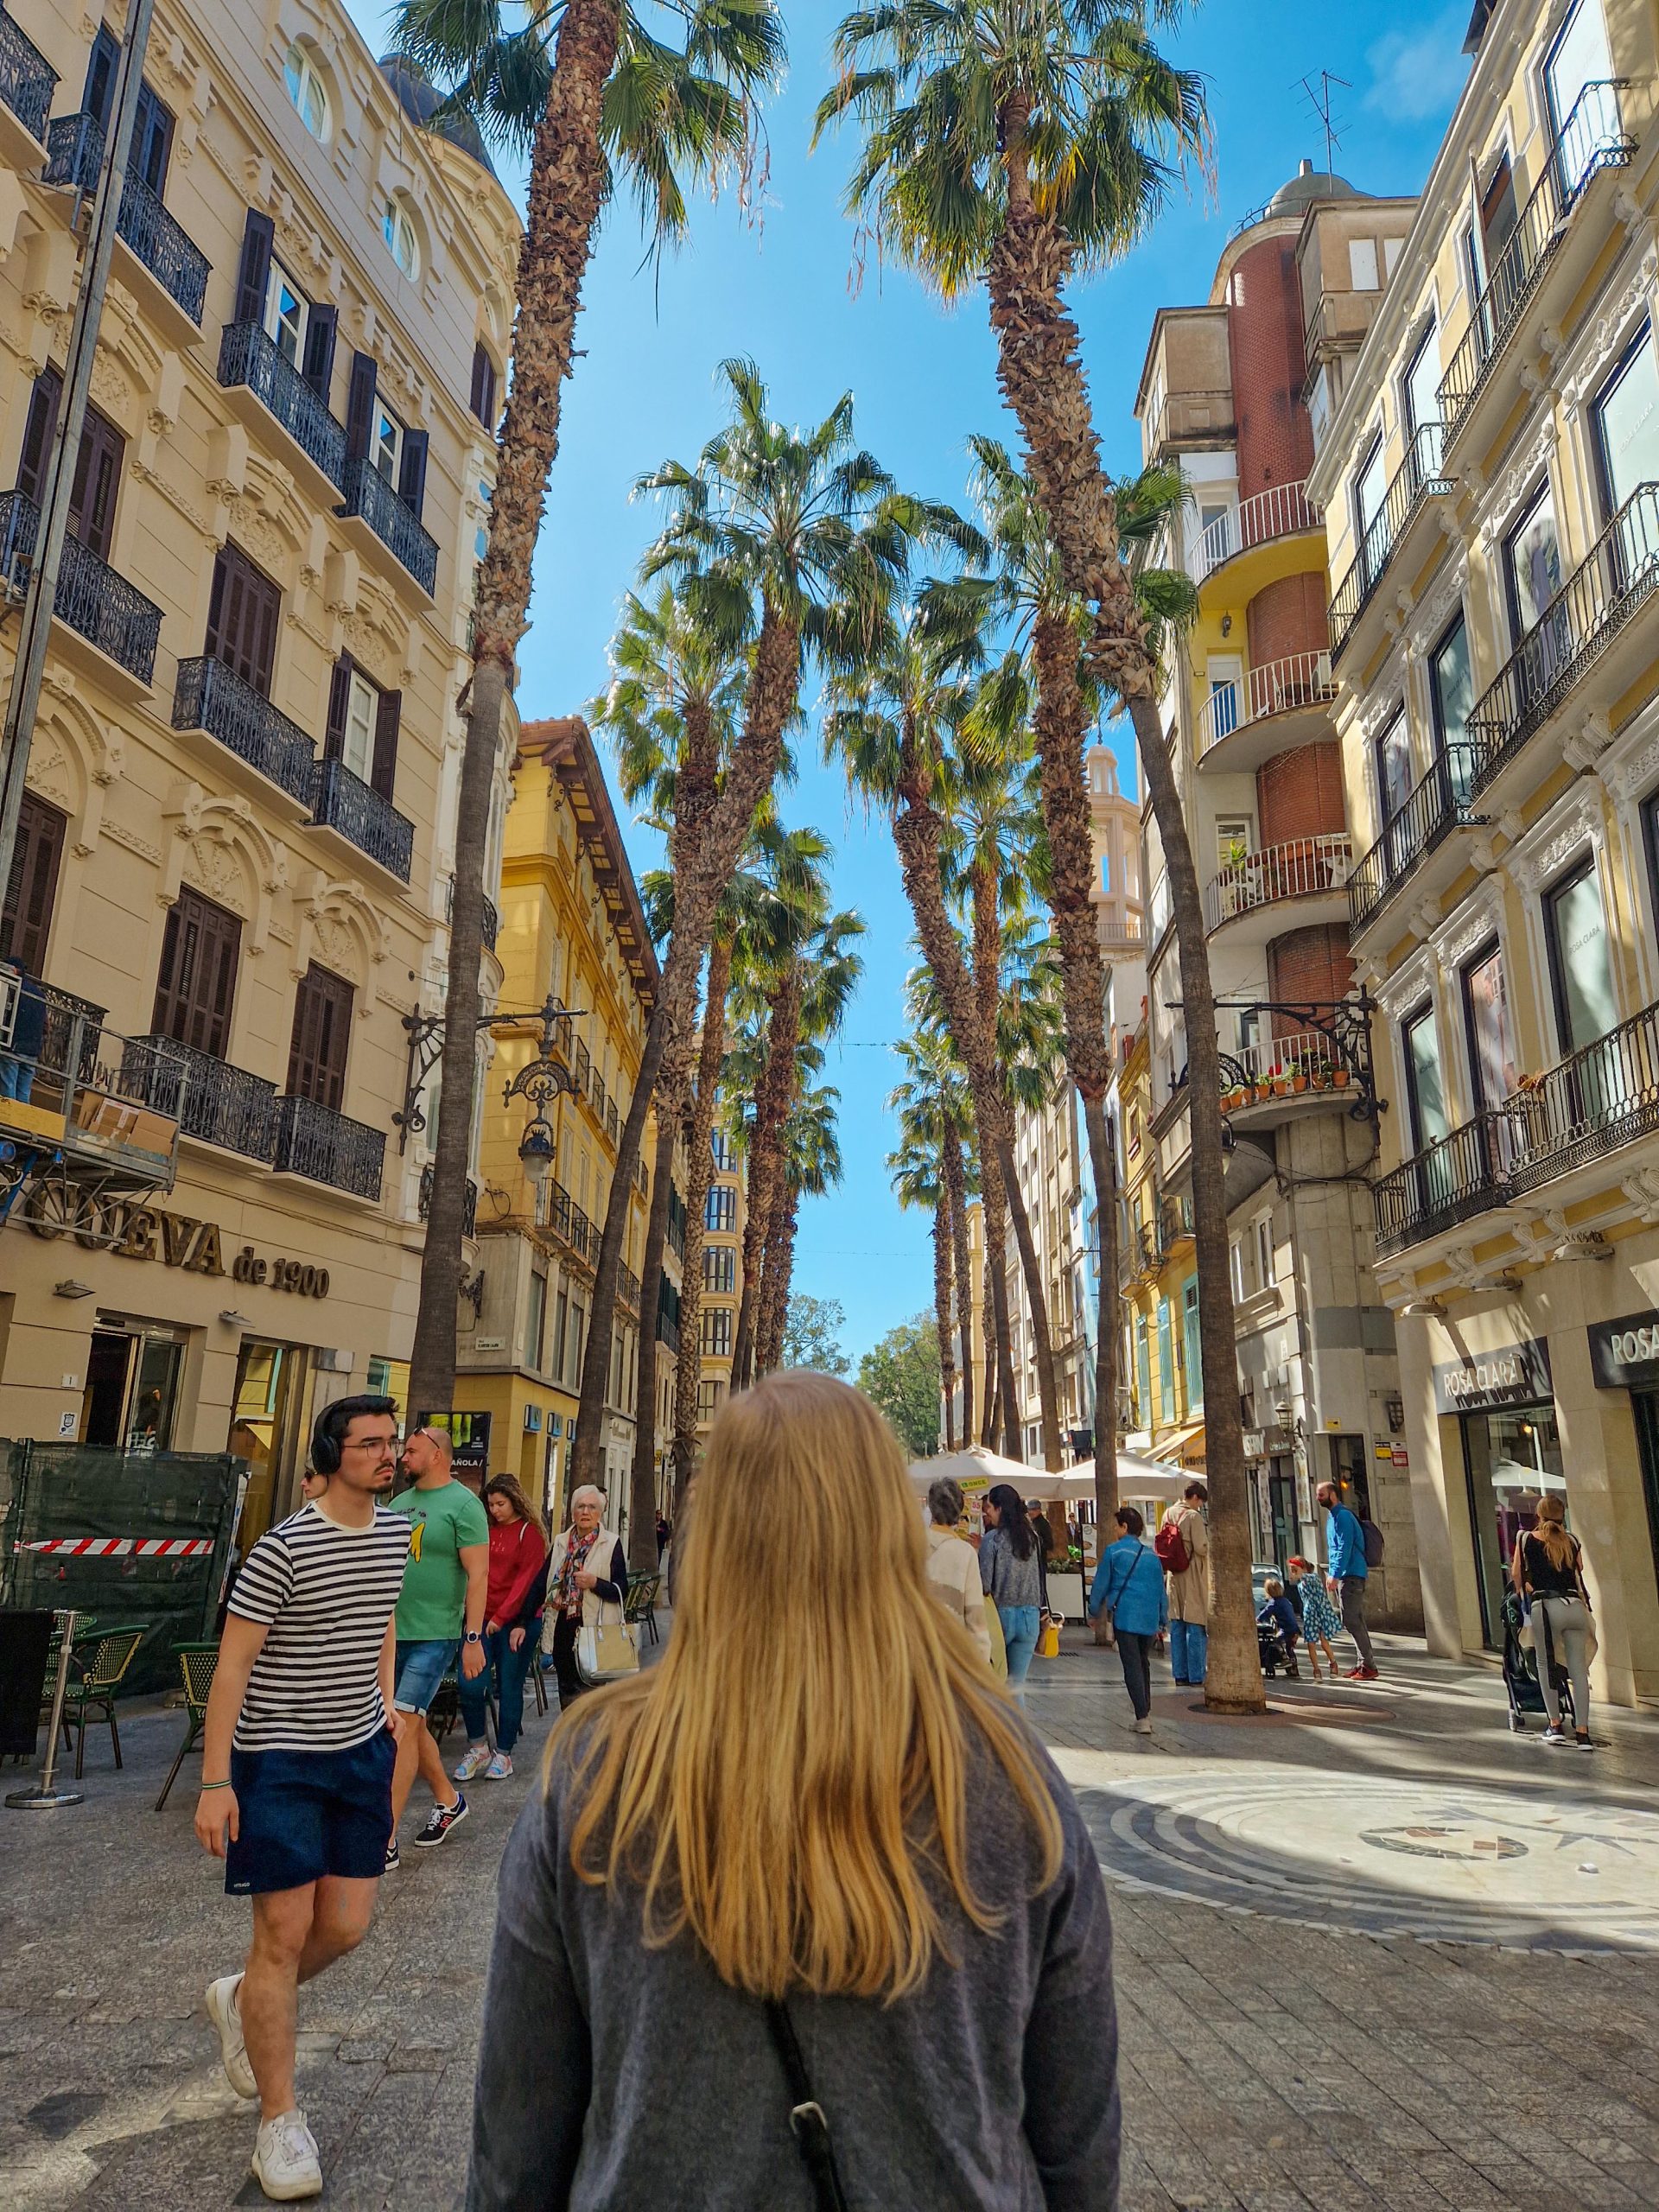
442	1608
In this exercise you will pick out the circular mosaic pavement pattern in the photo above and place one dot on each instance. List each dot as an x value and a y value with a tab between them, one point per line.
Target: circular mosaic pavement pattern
1382	1857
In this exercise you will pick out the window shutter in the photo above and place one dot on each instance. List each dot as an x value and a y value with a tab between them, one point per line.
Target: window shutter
195	988
152	141
31	893
97	478
383	774
412	477
242	612
98	99
41	422
339	693
316	1055
359	406
258	236
321	328
483	396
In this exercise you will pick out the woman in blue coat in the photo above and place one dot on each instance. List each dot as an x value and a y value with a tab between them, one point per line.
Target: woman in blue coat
1129	1590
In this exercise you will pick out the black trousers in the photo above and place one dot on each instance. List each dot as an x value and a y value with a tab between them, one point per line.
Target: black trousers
1135	1652
571	1685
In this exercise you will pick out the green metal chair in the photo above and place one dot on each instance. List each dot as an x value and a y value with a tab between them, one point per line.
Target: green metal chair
96	1668
198	1663
640	1605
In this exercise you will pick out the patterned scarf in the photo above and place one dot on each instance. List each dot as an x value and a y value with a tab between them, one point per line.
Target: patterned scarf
574	1559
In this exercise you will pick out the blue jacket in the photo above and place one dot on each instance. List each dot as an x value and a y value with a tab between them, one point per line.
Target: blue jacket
1128	1586
1279	1613
1344	1545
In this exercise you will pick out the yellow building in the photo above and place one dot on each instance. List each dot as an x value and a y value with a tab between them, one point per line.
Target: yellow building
1489	485
1160	1370
725	1217
571	925
233	871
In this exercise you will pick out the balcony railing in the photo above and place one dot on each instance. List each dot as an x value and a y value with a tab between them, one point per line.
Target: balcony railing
613	1123
584	1066
598	1095
344	801
248	356
96	602
1276	688
491	925
1306	1059
568	1221
1292	870
369	497
1597	1100
1436	805
627	1289
1592	139
27	79
468	1205
1419	475
63	1010
1281	511
211	695
1594	604
322	1145
74	155
1123	936
221	1104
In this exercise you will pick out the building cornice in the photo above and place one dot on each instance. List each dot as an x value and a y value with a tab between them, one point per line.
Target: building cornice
565	747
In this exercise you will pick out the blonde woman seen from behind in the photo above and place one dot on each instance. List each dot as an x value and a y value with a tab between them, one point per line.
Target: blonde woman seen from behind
815	1851
952	1564
1548	1568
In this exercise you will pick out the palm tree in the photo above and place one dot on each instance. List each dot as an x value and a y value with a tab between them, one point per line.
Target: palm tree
812	1165
1010	145
916	1171
932	1090
595	99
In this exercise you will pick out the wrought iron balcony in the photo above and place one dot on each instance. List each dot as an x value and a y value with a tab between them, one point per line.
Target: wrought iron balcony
613	1123
63	1010
584	1066
1419	477
1460	1175
373	500
27	79
326	1147
627	1289
1300	867
343	802
492	922
248	356
598	1094
1282	511
211	697
95	601
1592	139
569	1223
74	155
221	1104
468	1203
1299	683
1592	606
1436	804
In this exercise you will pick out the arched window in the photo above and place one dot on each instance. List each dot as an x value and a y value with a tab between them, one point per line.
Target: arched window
402	238
307	90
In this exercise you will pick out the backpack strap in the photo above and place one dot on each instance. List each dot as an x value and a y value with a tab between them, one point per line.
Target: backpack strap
808	2121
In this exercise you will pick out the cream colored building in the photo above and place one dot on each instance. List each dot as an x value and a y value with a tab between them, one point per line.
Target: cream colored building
235	843
725	1218
1491	486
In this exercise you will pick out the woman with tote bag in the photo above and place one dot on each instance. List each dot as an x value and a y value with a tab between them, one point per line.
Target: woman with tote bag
587	1572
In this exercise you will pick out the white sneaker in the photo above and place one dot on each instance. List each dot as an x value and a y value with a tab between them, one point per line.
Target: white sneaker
477	1759
218	2000
285	2162
500	1767
1143	1727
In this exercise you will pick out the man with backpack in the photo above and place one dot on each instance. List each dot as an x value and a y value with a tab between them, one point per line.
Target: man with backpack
1183	1544
1351	1547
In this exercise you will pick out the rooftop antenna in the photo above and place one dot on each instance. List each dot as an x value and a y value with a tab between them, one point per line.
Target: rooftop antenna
1324	107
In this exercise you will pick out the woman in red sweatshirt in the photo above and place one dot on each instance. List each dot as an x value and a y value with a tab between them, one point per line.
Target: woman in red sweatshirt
517	1548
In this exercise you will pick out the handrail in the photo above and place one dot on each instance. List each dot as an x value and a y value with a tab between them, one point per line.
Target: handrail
211	695
250	357
1276	687
1290	870
1420	475
74	157
1281	511
1591	139
93	599
1618	575
1436	804
325	1146
394	522
1268	1058
27	79
343	802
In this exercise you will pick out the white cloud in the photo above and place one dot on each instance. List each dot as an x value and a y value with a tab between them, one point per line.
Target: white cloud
1416	75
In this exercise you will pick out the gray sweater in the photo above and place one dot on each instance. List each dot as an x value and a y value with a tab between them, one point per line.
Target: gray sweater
613	2077
1006	1577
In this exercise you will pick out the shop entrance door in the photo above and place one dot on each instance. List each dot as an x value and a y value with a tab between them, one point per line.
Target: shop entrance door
132	1389
1281	1496
268	1391
1510	1458
1644	1404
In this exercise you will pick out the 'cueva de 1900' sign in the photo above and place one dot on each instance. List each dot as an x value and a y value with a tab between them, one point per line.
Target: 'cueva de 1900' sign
143	1232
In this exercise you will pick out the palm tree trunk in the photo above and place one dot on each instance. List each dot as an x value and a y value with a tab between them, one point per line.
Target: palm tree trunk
770	1310
1040	372
699	1179
987	979
988	1321
941	1235
642	1482
568	178
773	1099
1103	1166
956	1196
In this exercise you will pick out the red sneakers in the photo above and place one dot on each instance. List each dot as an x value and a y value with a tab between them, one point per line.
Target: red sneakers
1362	1674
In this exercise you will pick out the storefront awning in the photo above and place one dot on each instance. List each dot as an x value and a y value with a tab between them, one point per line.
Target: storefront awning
1181	1447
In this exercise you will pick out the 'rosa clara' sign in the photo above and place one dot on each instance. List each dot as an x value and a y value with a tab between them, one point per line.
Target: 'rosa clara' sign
1624	1354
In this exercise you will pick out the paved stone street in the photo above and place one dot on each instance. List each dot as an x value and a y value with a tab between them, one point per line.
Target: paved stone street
1426	1980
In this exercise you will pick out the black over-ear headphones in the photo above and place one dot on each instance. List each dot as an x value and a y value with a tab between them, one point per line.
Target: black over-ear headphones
324	1443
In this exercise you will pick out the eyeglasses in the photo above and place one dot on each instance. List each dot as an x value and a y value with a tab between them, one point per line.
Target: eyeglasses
371	1444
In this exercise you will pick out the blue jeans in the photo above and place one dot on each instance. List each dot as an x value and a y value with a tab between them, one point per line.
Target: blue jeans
16	1081
420	1666
1019	1627
510	1668
1189	1651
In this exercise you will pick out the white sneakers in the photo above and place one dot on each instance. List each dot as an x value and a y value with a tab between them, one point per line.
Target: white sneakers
499	1768
220	2001
285	2162
1143	1727
477	1759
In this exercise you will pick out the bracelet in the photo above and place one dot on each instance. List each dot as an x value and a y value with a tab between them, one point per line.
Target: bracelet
215	1785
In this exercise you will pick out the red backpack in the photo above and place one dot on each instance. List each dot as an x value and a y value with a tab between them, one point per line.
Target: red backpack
1171	1547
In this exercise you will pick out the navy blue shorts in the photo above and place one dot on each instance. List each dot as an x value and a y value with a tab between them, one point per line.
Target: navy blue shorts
307	1813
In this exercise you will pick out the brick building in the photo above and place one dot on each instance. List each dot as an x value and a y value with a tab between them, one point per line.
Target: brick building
1238	390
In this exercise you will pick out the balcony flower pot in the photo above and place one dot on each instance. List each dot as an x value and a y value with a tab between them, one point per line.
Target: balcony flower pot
1339	1078
1233	1099
1298	1082
1280	1083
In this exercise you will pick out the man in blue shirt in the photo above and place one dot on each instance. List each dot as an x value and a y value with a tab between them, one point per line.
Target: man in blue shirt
1346	1572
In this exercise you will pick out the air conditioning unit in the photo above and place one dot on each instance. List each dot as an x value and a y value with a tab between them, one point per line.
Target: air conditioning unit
533	1419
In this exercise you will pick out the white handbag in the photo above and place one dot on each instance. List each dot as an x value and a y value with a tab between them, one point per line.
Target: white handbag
606	1651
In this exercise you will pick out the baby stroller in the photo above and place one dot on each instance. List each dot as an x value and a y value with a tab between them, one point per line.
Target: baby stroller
1270	1648
1520	1676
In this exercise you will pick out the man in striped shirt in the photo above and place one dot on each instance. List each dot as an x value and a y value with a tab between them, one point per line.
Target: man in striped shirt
298	1749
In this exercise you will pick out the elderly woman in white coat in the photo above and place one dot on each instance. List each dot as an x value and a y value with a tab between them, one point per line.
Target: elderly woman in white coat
587	1570
952	1564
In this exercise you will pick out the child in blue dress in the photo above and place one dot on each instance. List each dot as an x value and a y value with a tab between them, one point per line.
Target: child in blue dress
1320	1619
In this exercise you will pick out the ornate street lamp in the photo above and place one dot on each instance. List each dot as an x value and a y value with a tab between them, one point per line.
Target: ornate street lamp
540	1081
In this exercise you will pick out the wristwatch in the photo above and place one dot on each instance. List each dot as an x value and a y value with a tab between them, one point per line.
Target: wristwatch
474	1636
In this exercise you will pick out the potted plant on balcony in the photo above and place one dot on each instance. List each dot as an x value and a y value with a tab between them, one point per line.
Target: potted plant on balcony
1279	1080
1339	1077
1233	1098
1321	1075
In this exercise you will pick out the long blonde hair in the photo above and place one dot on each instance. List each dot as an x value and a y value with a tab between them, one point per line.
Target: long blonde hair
1550	1529
781	1782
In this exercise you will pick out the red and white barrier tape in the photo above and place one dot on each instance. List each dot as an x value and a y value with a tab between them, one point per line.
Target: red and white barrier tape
122	1546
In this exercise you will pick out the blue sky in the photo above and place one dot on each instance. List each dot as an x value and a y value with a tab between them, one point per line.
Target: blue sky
781	290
